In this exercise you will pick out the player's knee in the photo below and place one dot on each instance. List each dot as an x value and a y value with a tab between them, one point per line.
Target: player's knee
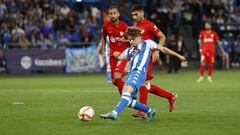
128	89
203	64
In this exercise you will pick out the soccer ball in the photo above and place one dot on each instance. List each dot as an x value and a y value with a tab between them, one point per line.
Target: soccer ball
86	113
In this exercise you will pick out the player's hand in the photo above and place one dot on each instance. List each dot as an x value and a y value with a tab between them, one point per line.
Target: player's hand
155	56
182	58
116	54
103	55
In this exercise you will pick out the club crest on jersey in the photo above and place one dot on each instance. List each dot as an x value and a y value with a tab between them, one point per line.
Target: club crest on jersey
135	52
142	31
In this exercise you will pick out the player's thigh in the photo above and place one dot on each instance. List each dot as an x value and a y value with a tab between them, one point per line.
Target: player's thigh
149	70
120	68
211	59
203	59
113	65
135	80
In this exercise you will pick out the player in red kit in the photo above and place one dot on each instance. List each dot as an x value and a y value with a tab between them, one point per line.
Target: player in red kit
207	40
115	30
149	31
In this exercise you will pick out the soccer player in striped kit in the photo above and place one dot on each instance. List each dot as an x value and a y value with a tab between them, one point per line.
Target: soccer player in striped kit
139	56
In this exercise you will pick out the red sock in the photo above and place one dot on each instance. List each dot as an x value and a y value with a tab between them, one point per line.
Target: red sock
201	70
210	69
119	83
143	95
160	92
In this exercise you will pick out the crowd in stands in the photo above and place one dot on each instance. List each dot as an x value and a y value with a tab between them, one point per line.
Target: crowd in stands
48	23
170	15
44	23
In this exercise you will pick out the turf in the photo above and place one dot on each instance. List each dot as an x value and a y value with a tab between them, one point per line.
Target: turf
48	105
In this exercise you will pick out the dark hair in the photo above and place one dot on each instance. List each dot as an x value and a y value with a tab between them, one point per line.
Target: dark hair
114	6
133	31
137	7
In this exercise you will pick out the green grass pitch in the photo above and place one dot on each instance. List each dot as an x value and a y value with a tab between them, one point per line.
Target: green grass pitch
48	105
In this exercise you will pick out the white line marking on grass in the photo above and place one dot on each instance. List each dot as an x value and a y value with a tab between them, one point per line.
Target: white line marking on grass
18	103
58	91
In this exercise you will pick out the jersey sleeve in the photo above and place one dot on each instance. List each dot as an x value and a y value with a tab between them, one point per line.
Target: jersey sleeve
104	31
153	28
151	44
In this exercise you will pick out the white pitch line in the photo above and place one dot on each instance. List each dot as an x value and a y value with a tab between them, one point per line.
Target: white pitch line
58	91
18	103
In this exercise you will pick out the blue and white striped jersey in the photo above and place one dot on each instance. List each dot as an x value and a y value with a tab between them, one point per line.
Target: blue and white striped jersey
139	55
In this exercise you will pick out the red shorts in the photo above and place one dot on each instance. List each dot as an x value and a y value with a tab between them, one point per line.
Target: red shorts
207	57
117	66
149	70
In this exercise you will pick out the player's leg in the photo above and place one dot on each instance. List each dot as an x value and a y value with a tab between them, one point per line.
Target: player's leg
143	91
211	62
113	64
119	73
201	69
127	100
132	84
171	97
123	102
144	108
148	112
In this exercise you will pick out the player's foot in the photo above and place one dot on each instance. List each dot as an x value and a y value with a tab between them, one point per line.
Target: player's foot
140	114
200	79
171	102
210	79
147	84
109	115
151	114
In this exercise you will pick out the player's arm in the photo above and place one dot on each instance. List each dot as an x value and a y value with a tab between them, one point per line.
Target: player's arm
104	36
120	56
152	45
99	47
162	39
103	47
172	53
200	42
200	45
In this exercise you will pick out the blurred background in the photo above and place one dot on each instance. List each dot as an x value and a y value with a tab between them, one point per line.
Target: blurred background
49	36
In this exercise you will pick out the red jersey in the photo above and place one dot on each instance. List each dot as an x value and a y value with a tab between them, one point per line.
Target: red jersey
114	32
208	40
149	29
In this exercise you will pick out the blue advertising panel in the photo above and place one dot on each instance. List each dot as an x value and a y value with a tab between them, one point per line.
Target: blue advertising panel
83	59
35	60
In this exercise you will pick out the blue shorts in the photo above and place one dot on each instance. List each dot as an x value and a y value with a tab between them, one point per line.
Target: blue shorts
135	79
